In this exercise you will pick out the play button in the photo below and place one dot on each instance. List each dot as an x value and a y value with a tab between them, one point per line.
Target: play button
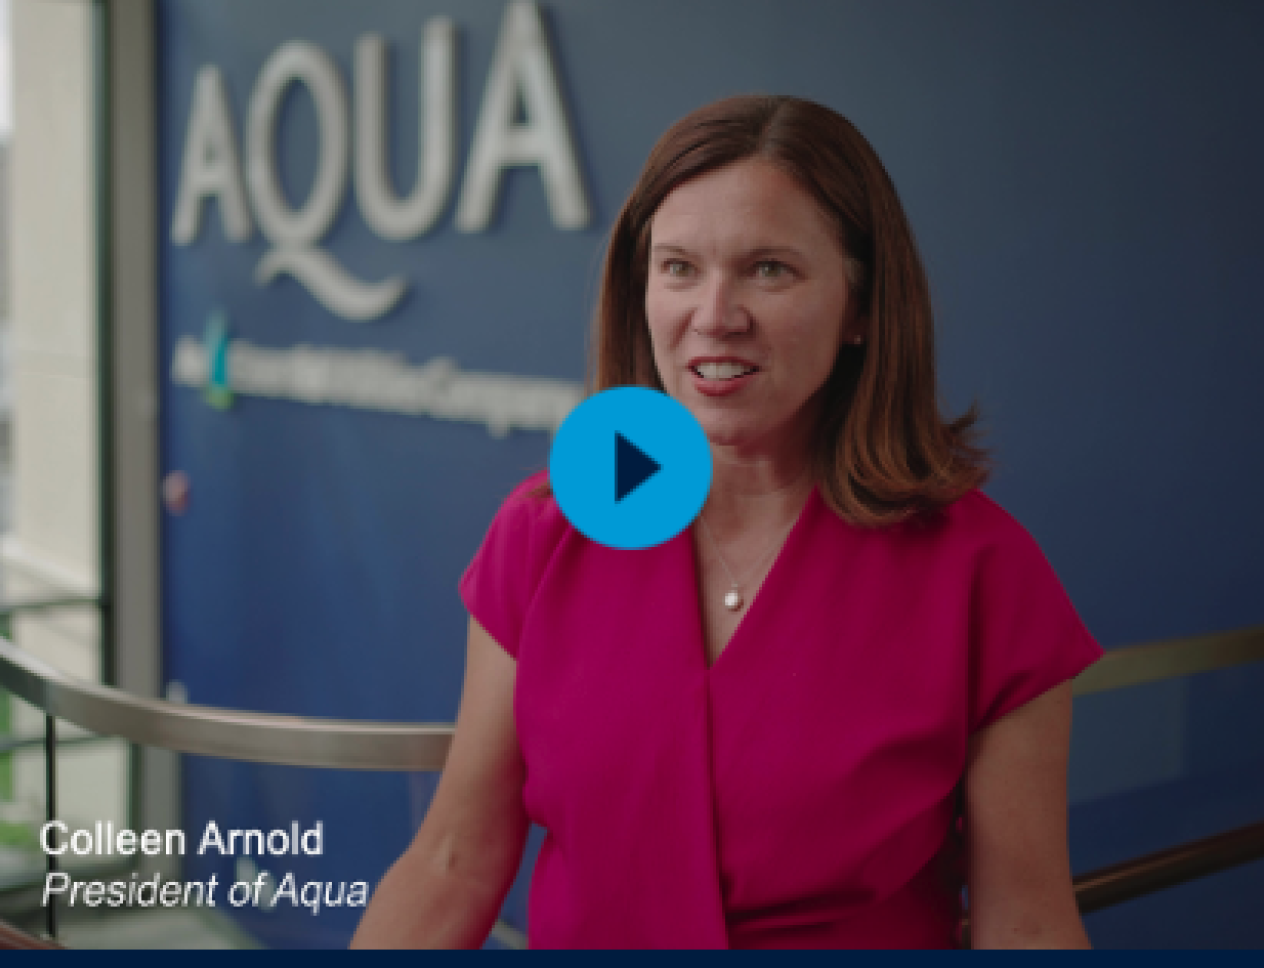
630	468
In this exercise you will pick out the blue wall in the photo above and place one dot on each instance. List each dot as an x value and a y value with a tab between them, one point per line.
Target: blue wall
1085	182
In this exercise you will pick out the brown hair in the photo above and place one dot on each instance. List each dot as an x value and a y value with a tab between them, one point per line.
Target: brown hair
882	449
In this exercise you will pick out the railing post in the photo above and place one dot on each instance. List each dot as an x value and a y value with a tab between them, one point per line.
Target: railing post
104	187
50	796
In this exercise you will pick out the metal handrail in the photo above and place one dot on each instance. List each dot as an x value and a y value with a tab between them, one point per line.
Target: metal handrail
15	939
25	606
1131	879
365	745
349	744
224	733
1134	665
1135	878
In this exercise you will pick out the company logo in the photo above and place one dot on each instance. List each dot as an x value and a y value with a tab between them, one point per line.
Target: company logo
522	122
225	368
219	389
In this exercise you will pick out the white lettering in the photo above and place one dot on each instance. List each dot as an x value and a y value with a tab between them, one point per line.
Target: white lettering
317	833
130	893
189	365
211	837
239	893
153	886
151	843
436	130
336	289
297	62
311	896
286	891
103	839
211	168
374	380
45	831
251	842
63	880
295	232
523	72
175	843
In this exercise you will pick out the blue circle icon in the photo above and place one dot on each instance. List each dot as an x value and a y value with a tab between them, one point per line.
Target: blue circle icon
630	468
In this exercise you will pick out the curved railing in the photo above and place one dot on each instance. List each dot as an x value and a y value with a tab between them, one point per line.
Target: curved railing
360	745
224	733
364	745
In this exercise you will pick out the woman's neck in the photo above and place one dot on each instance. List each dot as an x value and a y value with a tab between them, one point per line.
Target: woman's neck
760	492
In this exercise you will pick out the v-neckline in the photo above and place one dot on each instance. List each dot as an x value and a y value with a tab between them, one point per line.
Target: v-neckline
786	550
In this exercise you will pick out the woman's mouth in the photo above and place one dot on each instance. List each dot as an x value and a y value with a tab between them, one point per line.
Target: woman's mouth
722	371
716	378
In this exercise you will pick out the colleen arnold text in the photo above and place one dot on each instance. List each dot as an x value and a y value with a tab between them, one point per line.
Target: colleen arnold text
105	840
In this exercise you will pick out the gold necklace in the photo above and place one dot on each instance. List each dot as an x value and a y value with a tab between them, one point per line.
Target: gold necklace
733	599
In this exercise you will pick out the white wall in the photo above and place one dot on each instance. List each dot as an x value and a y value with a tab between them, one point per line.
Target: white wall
53	547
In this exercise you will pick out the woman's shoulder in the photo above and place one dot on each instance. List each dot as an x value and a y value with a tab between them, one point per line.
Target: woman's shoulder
532	496
974	523
532	510
501	580
980	514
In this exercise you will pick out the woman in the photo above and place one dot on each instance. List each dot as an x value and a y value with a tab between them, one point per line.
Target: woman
809	719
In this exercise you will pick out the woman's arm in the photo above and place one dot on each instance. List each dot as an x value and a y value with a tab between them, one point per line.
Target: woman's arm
447	888
1016	829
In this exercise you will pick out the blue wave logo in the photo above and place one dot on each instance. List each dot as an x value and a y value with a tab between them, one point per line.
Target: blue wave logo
219	388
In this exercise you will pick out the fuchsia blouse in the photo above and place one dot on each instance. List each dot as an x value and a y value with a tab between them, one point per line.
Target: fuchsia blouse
803	790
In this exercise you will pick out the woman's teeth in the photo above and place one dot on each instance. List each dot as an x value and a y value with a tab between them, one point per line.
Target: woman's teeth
722	371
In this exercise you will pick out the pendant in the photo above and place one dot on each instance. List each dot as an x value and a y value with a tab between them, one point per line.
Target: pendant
733	600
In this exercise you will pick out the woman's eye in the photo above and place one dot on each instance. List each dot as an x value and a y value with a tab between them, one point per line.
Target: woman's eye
676	268
770	269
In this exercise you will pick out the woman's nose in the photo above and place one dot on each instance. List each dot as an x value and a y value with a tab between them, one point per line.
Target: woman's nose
720	312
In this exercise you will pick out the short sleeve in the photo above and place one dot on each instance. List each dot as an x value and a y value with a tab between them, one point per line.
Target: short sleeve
1026	635
500	582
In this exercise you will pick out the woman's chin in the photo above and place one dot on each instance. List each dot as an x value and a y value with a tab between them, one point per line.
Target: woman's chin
733	428
725	434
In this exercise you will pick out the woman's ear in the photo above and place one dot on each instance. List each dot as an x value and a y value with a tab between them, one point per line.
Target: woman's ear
855	328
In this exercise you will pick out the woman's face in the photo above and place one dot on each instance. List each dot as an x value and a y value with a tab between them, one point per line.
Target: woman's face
747	301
